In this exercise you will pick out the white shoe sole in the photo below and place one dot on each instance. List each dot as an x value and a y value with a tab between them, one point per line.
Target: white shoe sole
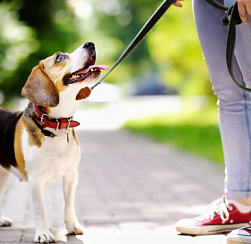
239	236
208	229
238	240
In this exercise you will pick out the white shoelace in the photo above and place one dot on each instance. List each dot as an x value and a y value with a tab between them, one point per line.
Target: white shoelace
219	207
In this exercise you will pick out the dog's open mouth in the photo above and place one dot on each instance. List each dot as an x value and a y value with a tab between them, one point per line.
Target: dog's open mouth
86	72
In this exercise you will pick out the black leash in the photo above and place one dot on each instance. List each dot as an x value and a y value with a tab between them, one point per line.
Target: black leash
141	34
230	19
217	5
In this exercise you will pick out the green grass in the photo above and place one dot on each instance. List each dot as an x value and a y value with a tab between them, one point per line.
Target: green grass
196	132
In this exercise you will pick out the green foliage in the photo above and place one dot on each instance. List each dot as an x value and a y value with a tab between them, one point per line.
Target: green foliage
171	49
29	32
174	46
32	30
17	42
195	132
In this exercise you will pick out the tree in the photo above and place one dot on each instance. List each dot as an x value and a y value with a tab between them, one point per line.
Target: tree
30	31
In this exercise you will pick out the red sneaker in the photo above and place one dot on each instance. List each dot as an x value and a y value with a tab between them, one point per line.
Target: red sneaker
220	217
240	236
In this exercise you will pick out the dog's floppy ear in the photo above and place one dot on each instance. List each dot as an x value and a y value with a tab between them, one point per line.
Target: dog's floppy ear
40	89
83	93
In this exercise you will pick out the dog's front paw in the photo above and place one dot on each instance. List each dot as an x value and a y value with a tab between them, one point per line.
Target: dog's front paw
4	222
44	237
75	229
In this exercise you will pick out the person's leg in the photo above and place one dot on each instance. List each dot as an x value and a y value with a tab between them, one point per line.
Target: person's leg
235	123
243	235
234	104
238	163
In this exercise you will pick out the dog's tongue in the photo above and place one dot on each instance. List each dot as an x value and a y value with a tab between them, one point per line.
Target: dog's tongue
99	67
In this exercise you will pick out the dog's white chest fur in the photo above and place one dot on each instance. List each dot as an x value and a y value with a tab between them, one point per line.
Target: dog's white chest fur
54	158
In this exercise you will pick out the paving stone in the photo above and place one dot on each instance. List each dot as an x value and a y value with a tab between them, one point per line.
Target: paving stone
131	191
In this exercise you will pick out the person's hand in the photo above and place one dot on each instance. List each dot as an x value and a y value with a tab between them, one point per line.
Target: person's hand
178	4
244	7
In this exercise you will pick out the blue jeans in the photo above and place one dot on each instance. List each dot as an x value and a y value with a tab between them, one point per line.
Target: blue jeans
234	104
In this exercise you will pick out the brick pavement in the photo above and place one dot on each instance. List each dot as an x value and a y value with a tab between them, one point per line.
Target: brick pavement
131	191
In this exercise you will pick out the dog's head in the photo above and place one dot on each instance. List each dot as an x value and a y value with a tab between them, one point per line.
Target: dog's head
62	71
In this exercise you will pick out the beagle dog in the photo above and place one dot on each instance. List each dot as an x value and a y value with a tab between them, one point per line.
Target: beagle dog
39	144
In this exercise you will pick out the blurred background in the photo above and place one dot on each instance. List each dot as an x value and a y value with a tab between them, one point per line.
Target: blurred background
163	83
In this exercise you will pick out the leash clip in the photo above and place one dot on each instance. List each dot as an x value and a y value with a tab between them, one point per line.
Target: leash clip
42	119
58	124
69	123
67	130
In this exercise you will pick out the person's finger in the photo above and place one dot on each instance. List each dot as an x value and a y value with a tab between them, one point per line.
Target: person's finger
242	12
248	8
177	4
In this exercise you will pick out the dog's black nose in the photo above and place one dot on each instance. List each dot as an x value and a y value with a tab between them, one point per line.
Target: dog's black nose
89	45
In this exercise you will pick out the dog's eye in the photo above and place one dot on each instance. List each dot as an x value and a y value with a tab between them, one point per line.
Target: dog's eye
60	57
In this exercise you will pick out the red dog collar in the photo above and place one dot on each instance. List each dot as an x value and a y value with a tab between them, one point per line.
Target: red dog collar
51	122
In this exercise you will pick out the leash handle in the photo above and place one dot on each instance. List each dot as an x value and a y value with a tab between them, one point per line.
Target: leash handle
230	46
230	19
141	34
217	5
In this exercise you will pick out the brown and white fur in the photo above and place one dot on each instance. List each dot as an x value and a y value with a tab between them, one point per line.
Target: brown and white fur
34	157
